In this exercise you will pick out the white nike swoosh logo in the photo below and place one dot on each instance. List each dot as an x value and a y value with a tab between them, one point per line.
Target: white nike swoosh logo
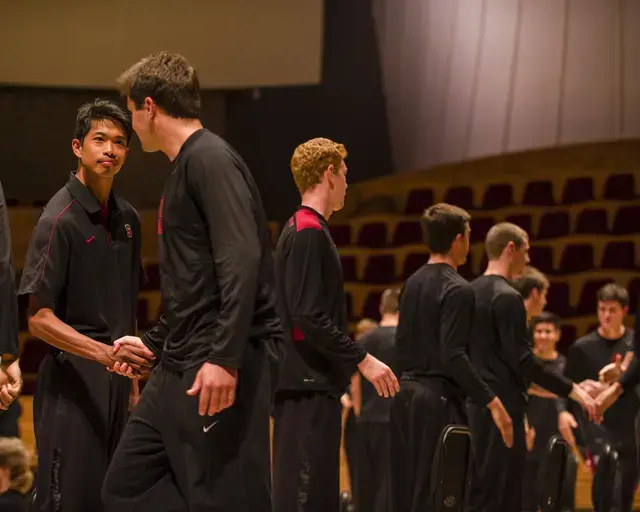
206	429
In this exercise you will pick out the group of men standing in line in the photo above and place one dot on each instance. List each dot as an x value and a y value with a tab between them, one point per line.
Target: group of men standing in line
242	337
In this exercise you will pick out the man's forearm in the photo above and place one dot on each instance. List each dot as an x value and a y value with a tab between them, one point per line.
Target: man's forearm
49	328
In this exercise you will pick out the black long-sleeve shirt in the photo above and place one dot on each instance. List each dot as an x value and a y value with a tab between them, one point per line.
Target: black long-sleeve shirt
585	358
216	265
380	343
8	298
500	346
631	377
319	355
436	312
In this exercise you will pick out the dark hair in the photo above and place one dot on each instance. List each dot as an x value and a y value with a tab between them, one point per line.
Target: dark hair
441	224
499	237
614	292
389	301
546	318
101	110
531	279
168	79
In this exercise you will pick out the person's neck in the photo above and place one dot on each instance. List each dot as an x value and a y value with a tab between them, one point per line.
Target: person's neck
388	320
546	355
498	268
317	202
612	333
445	259
99	187
174	132
527	307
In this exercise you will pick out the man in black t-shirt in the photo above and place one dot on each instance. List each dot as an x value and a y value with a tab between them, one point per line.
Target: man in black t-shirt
541	410
501	351
372	472
585	360
432	343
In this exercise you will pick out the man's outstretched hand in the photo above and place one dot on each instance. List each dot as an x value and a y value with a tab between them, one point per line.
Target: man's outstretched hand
380	375
216	386
130	357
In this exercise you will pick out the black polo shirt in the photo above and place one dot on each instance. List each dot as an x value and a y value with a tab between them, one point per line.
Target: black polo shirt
84	263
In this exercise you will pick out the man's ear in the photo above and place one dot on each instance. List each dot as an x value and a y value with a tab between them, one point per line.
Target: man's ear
76	146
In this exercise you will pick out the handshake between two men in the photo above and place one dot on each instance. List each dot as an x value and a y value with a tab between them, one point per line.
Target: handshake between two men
214	385
604	392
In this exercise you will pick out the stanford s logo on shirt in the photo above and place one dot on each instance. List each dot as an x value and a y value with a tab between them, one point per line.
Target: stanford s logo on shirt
129	232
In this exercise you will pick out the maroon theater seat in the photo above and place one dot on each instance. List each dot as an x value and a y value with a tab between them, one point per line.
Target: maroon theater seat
626	220
407	232
542	258
373	235
619	256
341	234
380	269
480	226
553	225
578	190
634	295
558	299
592	222
569	335
538	193
621	187
418	201
576	258
349	268
413	262
497	196
525	221
460	196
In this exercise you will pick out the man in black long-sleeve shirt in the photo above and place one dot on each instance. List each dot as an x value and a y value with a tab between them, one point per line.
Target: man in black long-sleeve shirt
10	375
585	359
501	351
436	310
199	438
319	356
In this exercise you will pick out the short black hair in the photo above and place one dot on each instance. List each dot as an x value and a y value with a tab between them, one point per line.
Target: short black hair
546	318
441	224
614	292
101	109
531	279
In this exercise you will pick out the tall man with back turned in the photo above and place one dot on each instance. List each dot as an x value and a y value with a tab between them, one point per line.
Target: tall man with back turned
501	351
199	438
436	310
319	355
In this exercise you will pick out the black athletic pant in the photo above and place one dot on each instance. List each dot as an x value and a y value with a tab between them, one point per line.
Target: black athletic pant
306	461
80	410
496	485
9	420
626	477
419	414
172	459
372	472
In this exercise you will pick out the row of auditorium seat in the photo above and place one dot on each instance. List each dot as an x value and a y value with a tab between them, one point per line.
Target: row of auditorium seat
592	221
618	187
575	258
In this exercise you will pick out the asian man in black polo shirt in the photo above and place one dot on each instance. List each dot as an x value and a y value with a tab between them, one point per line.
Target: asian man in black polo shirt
82	275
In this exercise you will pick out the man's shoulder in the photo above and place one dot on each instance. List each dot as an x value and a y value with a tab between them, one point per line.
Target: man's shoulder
59	209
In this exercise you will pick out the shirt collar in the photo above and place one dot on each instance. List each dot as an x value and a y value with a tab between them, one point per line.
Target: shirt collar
81	193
